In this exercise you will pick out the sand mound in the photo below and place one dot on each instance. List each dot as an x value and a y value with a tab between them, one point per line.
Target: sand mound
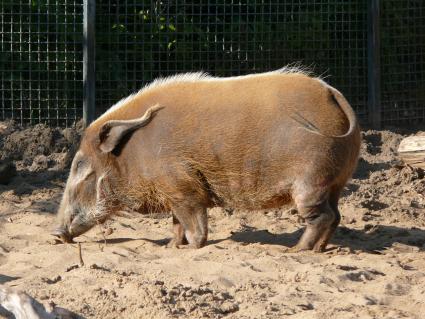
38	147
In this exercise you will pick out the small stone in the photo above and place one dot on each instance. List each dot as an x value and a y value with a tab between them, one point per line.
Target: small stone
72	267
44	297
274	308
368	227
370	301
346	268
52	281
307	306
108	231
95	266
351	221
228	307
366	218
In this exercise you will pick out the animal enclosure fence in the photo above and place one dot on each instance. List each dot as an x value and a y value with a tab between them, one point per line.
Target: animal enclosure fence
60	55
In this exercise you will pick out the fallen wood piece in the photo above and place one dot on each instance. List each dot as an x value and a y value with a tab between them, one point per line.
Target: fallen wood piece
412	151
23	306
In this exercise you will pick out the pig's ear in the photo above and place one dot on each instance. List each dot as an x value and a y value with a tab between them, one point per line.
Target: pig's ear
112	133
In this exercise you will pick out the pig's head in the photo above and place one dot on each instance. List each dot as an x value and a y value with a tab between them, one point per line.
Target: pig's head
88	198
85	199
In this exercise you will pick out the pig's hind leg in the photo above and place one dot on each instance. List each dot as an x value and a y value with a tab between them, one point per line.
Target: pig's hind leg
321	218
327	234
179	236
194	221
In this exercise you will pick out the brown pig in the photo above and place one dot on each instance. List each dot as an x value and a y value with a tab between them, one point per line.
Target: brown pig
190	142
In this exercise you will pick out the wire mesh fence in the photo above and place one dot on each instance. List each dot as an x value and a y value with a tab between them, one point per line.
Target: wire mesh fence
139	40
41	61
403	61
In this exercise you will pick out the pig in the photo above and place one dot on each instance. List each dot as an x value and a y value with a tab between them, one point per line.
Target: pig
190	142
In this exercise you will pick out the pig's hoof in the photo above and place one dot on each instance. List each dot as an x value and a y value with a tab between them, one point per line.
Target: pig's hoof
55	241
319	248
296	249
185	246
173	243
189	246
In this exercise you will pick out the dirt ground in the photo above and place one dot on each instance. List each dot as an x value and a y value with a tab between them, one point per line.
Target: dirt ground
374	267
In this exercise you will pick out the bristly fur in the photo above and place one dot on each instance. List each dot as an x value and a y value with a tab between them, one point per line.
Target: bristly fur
215	181
184	77
151	197
142	196
293	68
106	200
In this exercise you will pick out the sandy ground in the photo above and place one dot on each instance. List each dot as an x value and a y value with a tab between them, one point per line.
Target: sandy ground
374	267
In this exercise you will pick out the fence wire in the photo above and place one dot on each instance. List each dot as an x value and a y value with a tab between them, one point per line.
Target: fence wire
41	61
140	40
403	61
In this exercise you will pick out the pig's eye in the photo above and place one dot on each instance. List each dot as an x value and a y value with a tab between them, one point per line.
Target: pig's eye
79	165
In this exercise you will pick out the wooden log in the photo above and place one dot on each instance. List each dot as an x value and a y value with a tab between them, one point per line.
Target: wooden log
23	306
412	151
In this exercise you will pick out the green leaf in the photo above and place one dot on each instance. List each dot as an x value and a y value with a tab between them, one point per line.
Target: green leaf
171	27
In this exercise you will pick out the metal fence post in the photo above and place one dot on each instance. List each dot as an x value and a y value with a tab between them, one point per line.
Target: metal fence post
373	64
89	62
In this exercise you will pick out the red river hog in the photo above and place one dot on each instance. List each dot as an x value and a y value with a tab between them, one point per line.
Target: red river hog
190	142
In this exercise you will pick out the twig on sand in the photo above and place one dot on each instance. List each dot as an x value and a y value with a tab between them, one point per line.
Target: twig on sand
104	238
102	233
80	255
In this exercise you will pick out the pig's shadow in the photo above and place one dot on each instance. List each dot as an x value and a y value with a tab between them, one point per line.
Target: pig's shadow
373	240
5	278
377	238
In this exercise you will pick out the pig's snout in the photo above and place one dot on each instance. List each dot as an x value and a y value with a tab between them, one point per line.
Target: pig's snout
77	226
63	234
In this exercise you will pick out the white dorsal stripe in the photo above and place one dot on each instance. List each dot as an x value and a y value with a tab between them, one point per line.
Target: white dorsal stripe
197	77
